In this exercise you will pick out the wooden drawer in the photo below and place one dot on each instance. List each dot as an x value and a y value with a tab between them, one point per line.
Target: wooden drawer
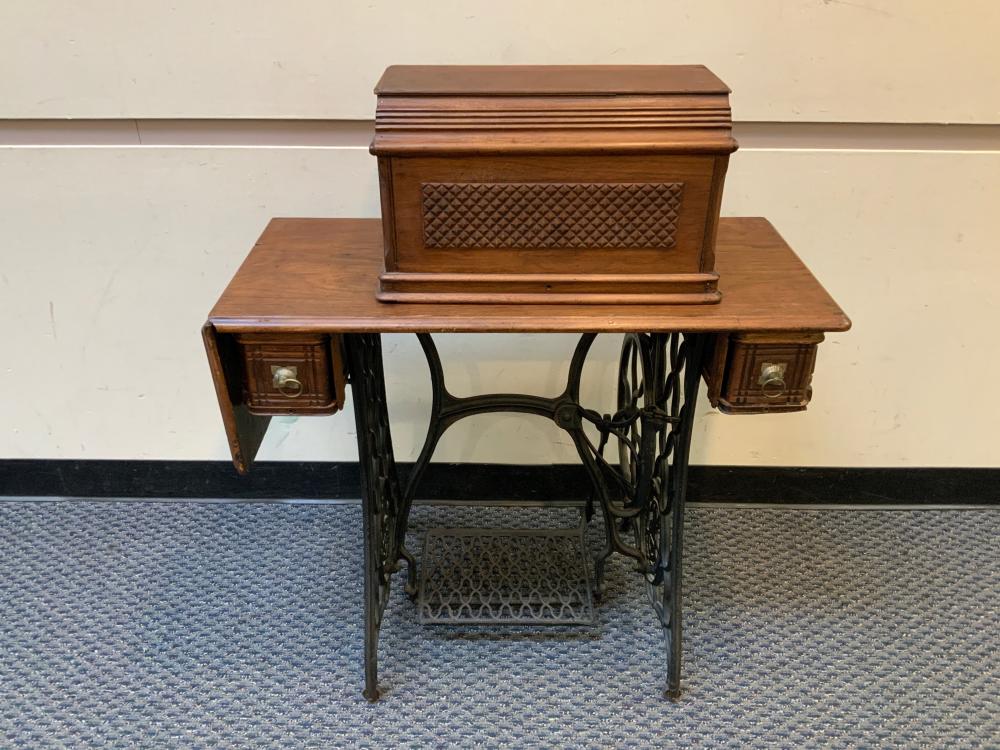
292	373
756	373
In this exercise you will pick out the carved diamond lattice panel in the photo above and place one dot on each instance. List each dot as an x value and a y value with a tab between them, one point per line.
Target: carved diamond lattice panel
506	577
551	215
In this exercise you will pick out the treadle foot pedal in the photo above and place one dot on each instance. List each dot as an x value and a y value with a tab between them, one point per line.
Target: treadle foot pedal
503	576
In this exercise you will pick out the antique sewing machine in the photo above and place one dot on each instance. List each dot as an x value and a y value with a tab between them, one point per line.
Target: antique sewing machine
541	199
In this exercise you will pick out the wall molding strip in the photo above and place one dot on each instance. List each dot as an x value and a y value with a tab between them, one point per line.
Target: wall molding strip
291	133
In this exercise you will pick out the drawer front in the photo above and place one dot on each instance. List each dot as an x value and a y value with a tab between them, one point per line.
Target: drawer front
292	374
762	373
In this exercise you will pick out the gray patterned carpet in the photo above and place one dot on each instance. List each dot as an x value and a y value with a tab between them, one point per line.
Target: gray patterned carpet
183	625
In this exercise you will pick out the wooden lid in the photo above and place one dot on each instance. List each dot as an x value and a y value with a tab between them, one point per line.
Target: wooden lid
551	109
547	80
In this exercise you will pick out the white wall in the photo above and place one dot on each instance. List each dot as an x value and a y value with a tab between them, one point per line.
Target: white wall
850	60
111	255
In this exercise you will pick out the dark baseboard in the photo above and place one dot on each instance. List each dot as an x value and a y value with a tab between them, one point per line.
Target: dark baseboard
491	482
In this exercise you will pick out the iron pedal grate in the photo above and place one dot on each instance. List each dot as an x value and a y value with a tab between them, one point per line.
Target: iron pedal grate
500	576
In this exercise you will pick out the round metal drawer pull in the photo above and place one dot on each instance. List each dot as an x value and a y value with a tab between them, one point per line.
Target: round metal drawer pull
772	380
286	381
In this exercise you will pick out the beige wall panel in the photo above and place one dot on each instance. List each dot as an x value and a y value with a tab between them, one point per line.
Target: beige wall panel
787	60
112	257
906	243
110	262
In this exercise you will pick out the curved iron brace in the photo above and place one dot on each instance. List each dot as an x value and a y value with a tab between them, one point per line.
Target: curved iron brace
567	412
447	409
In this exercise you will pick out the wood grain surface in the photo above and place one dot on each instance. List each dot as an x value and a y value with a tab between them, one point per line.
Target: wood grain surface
321	275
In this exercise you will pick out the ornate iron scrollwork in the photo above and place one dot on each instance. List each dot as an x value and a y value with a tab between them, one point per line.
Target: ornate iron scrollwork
671	369
641	493
384	510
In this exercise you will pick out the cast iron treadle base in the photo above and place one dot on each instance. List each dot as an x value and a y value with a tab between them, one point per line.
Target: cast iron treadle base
505	577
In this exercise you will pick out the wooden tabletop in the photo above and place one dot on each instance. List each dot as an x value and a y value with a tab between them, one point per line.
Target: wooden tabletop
322	274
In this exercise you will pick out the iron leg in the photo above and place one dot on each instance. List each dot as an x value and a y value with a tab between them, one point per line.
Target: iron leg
643	495
383	511
677	486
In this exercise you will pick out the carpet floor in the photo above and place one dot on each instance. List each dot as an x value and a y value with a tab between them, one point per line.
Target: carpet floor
188	625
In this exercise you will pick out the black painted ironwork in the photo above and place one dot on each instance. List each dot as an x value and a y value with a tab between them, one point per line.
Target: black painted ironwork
641	491
659	377
505	576
383	508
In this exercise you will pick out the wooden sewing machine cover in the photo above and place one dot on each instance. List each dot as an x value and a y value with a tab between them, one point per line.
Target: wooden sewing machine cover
551	184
